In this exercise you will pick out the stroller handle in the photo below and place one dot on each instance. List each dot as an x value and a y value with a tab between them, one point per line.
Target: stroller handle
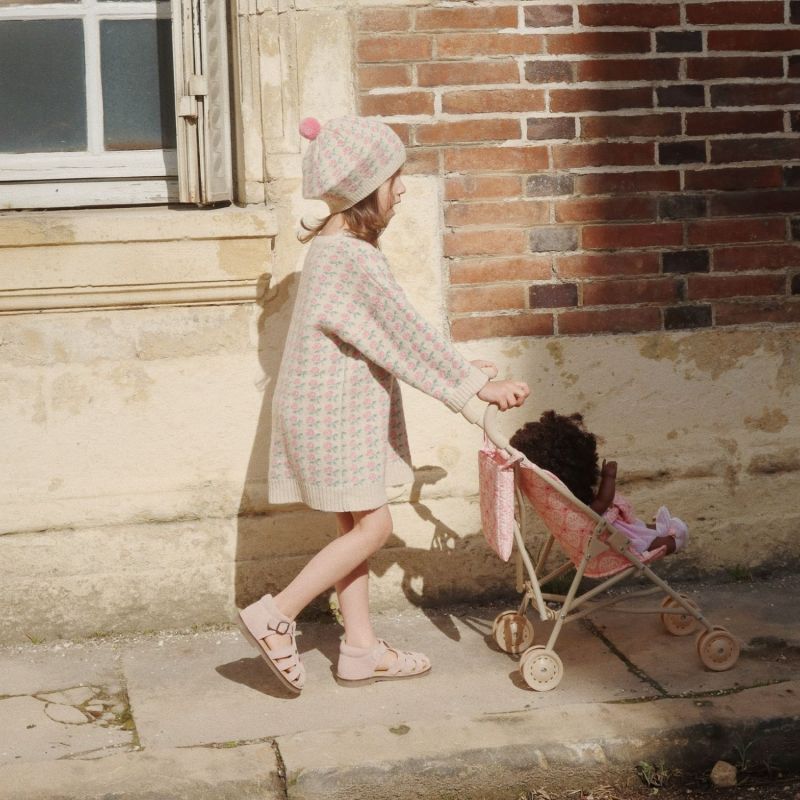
484	415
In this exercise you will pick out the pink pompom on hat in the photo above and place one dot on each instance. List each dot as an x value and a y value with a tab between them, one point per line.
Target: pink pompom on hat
347	159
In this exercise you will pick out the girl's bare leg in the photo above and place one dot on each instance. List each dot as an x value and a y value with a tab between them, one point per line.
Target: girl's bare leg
338	561
353	594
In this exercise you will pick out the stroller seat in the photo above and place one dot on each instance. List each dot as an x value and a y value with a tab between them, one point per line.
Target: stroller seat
594	548
566	519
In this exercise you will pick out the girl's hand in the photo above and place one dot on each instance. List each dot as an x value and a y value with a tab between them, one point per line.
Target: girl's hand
505	394
486	367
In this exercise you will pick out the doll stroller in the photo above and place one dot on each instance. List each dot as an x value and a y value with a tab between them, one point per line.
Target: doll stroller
594	548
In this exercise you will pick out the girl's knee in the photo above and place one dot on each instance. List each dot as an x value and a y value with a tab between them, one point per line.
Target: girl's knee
376	526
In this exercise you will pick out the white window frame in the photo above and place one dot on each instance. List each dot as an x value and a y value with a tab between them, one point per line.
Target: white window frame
199	171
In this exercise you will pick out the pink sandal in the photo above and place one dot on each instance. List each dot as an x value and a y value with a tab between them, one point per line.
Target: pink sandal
361	665
259	622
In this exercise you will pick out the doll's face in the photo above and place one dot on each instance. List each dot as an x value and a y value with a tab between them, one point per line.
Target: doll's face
389	194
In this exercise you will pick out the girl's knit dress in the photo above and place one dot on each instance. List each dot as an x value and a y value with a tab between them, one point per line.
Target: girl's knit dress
338	432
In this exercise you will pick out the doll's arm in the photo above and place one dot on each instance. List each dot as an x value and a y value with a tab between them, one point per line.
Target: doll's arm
607	489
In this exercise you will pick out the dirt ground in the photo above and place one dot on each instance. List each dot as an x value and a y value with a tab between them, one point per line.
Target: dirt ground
755	788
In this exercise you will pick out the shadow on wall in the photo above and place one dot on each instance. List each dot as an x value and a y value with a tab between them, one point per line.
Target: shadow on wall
273	543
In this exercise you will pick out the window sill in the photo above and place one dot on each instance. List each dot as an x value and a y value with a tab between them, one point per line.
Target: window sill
128	258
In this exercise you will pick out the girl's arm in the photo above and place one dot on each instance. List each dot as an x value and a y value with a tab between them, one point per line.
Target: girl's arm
607	488
370	311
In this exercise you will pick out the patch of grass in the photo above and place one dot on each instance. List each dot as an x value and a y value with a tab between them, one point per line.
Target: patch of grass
655	775
740	573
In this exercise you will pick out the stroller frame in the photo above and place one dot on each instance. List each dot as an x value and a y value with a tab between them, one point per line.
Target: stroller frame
540	666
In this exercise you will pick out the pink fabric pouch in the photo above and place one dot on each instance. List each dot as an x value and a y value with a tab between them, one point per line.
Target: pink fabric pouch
496	478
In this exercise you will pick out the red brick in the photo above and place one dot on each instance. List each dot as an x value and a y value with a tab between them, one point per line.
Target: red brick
394	48
541	71
737	13
586	265
754	40
460	45
518	212
613	182
597	42
755	94
629	15
486	298
488	327
553	295
477	101
711	287
495	159
764	148
548	16
550	127
402	130
780	201
628	69
566	100
713	122
601	209
774	311
609	237
494	270
509	241
396	104
471	130
466	73
422	161
733	67
752	258
734	178
630	292
376	20
723	231
438	19
603	154
373	76
624	127
614	320
479	187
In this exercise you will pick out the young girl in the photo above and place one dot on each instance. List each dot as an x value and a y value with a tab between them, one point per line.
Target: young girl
338	433
563	446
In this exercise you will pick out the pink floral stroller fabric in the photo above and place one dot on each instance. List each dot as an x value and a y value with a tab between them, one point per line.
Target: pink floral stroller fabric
569	520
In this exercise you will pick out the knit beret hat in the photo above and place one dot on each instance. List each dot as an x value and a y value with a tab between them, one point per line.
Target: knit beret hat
348	159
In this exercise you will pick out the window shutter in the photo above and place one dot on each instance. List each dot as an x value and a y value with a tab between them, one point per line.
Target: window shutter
200	56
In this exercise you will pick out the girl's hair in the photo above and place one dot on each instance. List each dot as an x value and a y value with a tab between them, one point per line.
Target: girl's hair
364	220
562	445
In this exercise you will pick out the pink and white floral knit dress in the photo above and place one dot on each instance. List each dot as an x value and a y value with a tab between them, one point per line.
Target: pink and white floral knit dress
338	432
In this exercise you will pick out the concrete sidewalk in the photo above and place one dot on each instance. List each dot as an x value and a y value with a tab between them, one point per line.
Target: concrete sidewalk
198	715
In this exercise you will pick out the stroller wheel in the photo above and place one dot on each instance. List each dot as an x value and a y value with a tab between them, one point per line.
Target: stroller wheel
718	649
679	624
512	632
541	668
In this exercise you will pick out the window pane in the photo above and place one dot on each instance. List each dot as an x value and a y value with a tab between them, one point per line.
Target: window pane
7	3
138	96
42	87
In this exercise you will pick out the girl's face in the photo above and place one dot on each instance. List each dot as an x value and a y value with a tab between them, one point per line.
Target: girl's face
389	194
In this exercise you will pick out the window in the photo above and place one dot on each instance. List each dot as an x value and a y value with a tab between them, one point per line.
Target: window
113	102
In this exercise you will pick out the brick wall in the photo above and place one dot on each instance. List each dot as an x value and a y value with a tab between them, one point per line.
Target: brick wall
606	167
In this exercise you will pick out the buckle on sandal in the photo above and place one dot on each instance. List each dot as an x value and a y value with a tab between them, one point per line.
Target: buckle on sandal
282	627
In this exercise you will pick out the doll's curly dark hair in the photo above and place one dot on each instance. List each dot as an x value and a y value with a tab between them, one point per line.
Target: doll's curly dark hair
561	445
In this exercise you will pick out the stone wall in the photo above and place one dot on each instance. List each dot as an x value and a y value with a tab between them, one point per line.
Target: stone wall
140	347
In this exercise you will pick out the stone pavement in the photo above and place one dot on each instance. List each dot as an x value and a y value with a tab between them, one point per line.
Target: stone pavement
198	715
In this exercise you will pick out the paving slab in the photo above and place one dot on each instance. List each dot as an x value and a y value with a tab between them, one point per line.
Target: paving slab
244	773
212	687
45	691
495	757
52	667
755	613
